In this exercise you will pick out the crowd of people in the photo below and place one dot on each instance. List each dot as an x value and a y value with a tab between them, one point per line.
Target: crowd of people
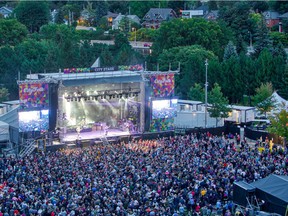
181	175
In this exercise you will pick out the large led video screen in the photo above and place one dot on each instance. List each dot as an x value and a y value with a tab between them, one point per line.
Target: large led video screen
34	121
164	109
163	85
34	95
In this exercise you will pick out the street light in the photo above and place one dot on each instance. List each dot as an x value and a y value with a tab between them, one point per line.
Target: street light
206	86
135	36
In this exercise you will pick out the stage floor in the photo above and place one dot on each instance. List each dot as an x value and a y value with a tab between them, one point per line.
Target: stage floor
71	137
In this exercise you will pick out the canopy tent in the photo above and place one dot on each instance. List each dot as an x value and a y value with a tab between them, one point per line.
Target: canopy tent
281	103
274	191
4	131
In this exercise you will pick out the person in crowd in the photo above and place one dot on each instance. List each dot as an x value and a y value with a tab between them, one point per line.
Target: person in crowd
181	175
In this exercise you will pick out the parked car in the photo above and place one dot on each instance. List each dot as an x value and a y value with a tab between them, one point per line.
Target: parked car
147	45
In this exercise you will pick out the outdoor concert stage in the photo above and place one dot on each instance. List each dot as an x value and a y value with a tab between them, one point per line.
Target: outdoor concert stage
91	135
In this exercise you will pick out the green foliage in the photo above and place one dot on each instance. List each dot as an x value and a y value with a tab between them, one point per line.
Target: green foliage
192	60
230	51
143	34
32	14
278	37
219	103
4	94
12	32
262	40
124	25
140	8
263	100
196	93
101	9
279	124
187	32
237	17
121	40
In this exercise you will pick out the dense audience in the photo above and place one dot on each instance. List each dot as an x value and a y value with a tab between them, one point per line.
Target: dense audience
183	175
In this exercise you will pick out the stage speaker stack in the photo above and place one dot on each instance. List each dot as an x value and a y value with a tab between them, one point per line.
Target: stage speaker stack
242	192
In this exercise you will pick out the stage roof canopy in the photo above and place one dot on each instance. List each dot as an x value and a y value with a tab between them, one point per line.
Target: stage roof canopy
71	79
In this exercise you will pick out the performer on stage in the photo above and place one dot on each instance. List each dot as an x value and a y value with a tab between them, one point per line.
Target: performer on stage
78	130
106	130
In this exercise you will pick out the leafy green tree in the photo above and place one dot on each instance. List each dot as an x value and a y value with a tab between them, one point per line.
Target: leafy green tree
106	57
66	41
191	59
12	32
187	32
262	38
260	6
4	94
236	15
101	9
230	51
32	14
124	25
121	40
71	12
118	6
232	84
282	89
140	8
196	93
263	99
219	104
9	67
279	125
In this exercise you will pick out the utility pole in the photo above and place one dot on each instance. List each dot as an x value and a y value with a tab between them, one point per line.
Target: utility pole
206	93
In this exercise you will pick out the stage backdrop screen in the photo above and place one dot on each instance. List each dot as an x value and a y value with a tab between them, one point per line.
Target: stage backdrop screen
162	85
163	109
34	121
33	95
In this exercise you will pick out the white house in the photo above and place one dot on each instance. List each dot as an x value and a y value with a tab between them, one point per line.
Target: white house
117	20
5	11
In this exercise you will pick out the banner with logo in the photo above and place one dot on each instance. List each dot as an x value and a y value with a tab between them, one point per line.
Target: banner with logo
163	85
34	95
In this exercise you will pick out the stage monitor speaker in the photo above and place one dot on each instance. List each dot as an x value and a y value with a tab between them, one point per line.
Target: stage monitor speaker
241	191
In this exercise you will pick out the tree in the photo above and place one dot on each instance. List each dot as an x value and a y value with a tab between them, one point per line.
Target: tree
32	14
196	93
191	59
12	32
236	16
67	42
262	38
279	124
219	104
120	40
4	94
101	9
263	99
187	32
230	51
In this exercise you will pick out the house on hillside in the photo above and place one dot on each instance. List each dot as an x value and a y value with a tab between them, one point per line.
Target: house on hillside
212	15
271	18
156	16
117	20
5	11
111	17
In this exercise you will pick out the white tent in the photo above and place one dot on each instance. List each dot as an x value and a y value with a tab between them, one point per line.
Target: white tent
281	103
4	131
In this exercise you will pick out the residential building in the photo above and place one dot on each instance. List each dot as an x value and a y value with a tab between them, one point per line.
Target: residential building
271	18
156	16
5	11
212	15
116	22
111	17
